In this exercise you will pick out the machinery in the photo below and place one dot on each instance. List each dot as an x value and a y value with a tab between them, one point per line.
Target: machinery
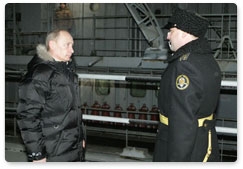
148	24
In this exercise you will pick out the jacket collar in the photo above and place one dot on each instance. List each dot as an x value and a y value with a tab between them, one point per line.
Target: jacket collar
43	53
199	46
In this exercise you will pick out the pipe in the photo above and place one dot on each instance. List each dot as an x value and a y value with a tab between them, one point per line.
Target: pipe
227	130
224	83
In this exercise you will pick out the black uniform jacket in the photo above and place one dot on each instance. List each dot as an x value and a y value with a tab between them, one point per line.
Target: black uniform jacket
49	114
189	90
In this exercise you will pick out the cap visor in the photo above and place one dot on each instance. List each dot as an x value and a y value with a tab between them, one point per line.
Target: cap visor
168	25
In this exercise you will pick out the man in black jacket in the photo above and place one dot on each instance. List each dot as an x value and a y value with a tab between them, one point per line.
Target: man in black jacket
49	111
188	94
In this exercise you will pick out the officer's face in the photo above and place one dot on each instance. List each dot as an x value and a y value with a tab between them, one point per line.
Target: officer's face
175	37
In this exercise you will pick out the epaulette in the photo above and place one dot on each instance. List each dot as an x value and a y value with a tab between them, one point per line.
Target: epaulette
184	57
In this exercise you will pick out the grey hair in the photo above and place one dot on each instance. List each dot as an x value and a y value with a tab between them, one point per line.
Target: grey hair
53	35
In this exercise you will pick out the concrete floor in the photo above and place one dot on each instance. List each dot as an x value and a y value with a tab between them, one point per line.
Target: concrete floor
15	152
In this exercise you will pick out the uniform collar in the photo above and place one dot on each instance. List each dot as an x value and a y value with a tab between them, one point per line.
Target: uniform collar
199	46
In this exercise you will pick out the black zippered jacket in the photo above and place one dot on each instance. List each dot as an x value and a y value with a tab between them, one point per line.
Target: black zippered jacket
49	112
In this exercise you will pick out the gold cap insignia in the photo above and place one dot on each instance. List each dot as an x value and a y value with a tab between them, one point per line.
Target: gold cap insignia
182	82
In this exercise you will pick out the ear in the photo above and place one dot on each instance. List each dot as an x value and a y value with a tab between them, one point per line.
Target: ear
52	44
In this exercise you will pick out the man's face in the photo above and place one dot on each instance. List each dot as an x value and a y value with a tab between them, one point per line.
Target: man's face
175	37
62	5
63	47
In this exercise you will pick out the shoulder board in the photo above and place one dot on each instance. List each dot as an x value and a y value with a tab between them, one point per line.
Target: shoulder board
184	57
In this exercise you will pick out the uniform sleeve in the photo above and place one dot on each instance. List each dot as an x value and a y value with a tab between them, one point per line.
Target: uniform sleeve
31	102
185	98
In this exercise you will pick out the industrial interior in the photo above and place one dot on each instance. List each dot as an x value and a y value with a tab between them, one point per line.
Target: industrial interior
120	53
